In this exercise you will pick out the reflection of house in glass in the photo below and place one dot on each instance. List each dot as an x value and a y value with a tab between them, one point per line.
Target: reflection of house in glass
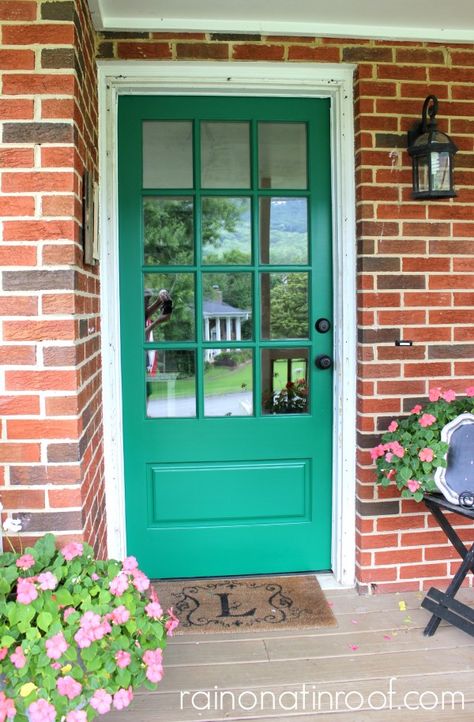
222	323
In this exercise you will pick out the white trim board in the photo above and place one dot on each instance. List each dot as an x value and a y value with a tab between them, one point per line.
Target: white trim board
314	18
262	79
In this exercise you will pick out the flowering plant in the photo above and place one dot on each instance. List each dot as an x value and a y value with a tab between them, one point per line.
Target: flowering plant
412	449
76	634
292	398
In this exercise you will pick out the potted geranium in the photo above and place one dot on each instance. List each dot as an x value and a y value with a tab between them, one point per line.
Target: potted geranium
291	399
411	450
77	634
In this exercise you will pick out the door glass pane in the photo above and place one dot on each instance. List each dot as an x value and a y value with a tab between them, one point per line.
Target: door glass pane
285	381
284	312
227	306
225	155
169	307
228	382
168	231
226	230
167	154
282	155
170	383
284	230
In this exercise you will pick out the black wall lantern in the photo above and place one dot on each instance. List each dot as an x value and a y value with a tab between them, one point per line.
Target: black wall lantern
432	154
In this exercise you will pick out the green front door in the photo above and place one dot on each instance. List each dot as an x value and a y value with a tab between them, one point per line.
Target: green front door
225	268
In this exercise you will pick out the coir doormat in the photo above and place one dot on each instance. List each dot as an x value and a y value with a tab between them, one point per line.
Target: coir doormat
246	604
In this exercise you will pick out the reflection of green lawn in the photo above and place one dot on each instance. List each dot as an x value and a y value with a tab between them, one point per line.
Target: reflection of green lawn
217	380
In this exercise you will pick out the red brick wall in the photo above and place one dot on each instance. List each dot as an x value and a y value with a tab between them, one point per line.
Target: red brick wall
415	259
51	443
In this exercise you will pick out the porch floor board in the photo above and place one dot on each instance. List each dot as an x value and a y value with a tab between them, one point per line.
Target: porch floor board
374	641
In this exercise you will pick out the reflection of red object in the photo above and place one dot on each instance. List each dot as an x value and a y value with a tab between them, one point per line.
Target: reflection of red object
152	356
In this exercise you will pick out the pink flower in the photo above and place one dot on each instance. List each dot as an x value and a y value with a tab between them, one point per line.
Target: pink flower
449	395
56	646
120	615
25	562
76	716
129	564
68	687
119	585
377	451
122	698
25	591
47	581
396	449
83	639
18	658
41	711
154	672
7	707
172	622
416	409
393	426
153	656
122	658
72	550
101	701
140	581
55	665
388	456
68	611
94	577
434	394
427	420
426	454
154	610
413	485
3	653
470	391
89	621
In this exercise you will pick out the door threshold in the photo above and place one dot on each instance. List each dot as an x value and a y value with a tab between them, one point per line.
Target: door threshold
327	581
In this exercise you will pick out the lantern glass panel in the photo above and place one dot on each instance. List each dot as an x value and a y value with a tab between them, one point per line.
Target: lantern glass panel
422	174
440	171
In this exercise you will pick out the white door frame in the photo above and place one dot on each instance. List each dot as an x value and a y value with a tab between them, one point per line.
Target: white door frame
245	79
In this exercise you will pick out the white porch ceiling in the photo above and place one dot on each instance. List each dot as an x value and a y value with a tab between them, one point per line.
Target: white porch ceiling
431	20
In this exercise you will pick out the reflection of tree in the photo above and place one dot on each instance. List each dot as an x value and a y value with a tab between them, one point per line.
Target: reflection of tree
169	240
168	224
289	305
236	288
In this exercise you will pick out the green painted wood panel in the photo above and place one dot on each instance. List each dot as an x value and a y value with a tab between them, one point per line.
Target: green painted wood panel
245	494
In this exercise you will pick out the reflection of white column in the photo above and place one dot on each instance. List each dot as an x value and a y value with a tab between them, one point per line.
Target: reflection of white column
228	329
218	329
238	330
206	329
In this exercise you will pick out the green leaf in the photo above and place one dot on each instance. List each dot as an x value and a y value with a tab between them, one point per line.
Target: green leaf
418	496
123	678
25	613
94	664
405	473
44	549
7	641
63	596
44	621
32	634
4	586
7	558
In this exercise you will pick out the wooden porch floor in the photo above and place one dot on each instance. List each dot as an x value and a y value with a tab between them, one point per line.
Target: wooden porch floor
341	666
